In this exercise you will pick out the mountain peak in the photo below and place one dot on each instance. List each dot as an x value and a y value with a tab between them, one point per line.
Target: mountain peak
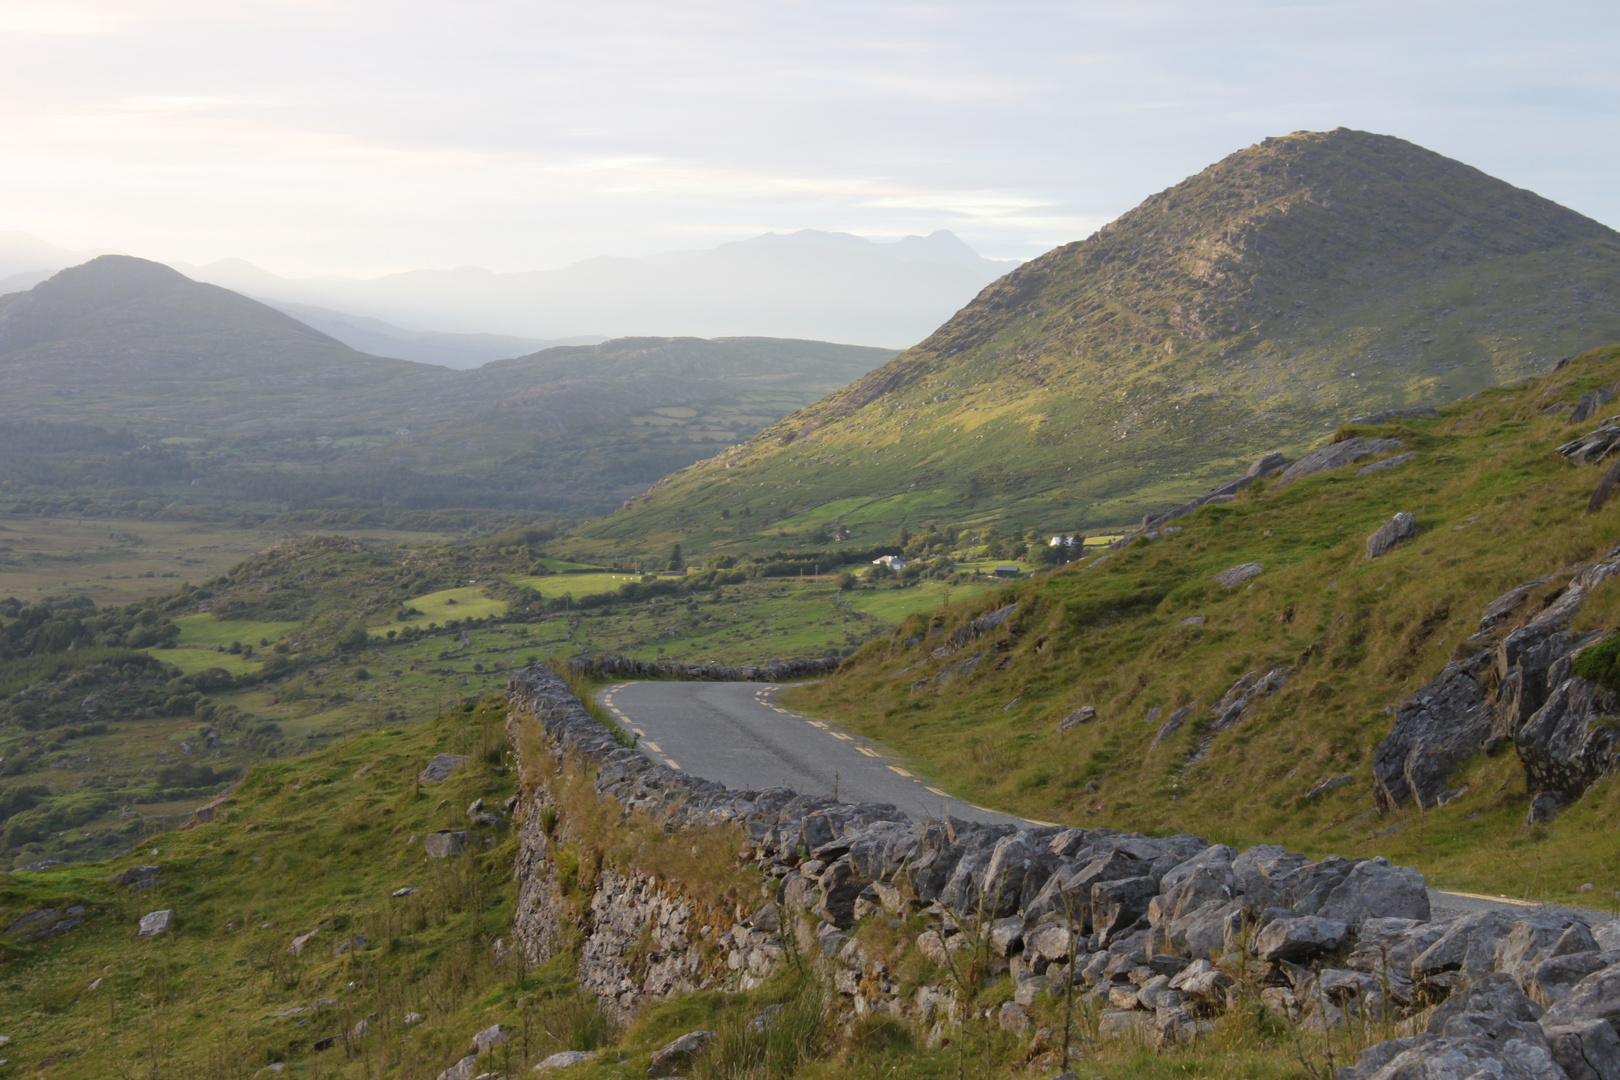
1251	307
109	279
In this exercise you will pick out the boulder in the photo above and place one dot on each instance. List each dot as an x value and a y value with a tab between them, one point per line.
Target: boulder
1117	906
1336	456
1466	952
444	843
1397	530
1085	714
295	947
1376	890
1435	729
840	887
1299	939
1589	404
1589	1050
1595	445
1571	742
1237	575
441	768
565	1059
1204	982
1551	980
465	1069
1537	937
1595	997
1011	1017
156	922
1124	1024
489	1038
1007	936
1051	941
674	1056
1311	885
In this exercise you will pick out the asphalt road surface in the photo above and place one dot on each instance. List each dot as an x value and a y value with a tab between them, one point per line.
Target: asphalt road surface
736	733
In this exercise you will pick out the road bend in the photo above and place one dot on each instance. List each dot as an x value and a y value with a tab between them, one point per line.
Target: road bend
736	733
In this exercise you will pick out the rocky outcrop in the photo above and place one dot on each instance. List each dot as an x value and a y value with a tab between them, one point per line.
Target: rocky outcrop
1508	683
620	667
1422	412
1336	456
1595	445
1233	577
1267	465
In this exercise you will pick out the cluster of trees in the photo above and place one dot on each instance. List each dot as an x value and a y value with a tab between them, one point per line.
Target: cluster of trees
57	625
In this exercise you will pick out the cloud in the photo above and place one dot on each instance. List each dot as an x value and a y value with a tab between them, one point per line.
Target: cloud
332	136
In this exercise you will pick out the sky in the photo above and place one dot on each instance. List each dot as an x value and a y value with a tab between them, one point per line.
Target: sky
350	138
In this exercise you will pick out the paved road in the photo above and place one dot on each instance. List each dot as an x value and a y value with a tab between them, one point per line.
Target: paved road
736	733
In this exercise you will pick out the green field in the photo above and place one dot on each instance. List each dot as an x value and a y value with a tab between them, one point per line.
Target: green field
192	661
210	630
892	605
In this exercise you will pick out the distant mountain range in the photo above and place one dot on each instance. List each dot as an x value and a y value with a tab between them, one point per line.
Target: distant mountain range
1252	307
239	405
808	284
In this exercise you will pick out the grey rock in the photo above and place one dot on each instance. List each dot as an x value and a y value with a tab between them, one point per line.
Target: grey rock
441	768
1085	714
1483	1008
1586	1051
1311	885
135	874
1233	577
1124	1024
295	947
566	1059
1595	997
1376	890
156	922
1051	941
1550	980
1299	939
1013	1018
1435	729
679	1053
1030	990
465	1069
1468	948
1397	530
1007	936
1595	445
1174	722
1537	937
444	843
1589	404
1117	906
1571	742
1327	784
1387	463
840	887
489	1038
1336	456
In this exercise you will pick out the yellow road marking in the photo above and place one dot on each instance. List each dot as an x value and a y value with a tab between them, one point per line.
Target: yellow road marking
936	791
655	748
672	764
638	731
1493	899
841	735
819	724
868	753
898	769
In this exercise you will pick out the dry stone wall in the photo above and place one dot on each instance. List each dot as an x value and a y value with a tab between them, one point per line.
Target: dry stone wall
1160	932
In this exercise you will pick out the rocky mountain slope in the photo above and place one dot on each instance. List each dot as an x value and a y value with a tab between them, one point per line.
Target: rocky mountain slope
1249	308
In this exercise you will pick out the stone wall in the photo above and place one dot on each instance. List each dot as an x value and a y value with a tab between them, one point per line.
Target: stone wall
621	667
1162	934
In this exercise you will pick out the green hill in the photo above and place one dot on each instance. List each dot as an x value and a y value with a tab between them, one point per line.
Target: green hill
1249	308
200	397
1258	711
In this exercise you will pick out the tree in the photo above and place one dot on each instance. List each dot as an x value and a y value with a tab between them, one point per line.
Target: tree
675	560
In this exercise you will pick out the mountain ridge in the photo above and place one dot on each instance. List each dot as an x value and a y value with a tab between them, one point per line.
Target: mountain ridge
1251	307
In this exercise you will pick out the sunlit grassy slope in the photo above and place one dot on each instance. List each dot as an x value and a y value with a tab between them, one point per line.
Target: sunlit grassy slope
1497	507
1251	308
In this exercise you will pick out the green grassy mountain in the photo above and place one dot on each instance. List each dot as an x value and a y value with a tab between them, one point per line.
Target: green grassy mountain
232	406
1250	308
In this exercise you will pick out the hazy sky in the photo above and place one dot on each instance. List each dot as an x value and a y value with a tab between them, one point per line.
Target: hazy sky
353	137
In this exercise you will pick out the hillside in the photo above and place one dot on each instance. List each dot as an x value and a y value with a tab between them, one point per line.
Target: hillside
1249	308
1320	698
154	387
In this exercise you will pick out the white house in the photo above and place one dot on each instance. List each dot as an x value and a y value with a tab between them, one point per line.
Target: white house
1061	541
893	562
